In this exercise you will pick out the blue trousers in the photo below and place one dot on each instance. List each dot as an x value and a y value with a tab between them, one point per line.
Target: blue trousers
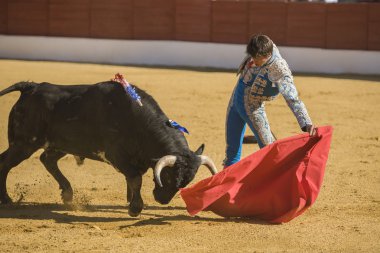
241	112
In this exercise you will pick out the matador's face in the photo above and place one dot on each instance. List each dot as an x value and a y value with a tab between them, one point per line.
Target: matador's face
261	60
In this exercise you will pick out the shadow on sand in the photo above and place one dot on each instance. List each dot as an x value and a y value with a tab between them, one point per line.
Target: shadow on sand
61	213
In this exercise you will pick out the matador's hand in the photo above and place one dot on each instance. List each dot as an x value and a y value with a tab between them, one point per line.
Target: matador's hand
310	129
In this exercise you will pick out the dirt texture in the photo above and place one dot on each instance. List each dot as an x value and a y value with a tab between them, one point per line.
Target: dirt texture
345	217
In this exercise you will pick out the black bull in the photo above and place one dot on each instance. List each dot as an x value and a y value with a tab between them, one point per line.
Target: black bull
99	122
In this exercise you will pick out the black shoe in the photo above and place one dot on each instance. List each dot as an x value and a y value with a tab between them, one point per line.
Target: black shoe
249	139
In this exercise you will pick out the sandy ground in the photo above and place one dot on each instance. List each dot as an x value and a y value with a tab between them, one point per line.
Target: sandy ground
345	217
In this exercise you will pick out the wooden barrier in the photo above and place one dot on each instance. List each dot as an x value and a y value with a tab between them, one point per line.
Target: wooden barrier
28	17
3	16
69	18
229	22
374	27
153	19
332	26
193	20
306	23
111	19
269	18
346	26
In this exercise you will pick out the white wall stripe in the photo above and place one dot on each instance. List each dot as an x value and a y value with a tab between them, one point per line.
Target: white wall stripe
181	53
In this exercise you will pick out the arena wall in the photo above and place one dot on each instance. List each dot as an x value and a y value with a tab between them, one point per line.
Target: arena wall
314	37
181	53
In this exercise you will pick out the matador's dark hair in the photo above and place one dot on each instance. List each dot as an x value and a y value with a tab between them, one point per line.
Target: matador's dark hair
259	45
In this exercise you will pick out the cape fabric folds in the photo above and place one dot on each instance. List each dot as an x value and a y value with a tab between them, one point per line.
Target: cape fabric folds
275	184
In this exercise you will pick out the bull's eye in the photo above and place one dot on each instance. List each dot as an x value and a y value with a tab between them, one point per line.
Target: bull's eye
166	177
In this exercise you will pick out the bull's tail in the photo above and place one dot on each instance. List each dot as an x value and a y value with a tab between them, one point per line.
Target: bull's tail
21	86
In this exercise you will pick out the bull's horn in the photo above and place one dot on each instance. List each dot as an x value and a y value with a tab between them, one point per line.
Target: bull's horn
205	160
168	160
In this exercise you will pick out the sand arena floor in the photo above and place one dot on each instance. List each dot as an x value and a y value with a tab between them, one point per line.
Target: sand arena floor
345	217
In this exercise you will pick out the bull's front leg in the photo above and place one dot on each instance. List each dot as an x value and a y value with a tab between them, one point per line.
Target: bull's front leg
134	187
129	192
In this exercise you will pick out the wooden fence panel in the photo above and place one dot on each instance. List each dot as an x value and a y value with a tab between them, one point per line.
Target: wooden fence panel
193	20
28	17
346	26
374	27
3	16
268	18
229	22
69	18
333	26
153	19
111	19
306	25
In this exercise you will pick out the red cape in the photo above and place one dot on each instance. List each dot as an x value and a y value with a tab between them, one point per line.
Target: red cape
275	184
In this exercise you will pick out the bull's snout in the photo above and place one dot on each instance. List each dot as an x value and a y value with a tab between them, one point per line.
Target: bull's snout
162	201
163	197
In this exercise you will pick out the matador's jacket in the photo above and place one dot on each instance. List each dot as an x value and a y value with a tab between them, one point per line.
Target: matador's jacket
255	86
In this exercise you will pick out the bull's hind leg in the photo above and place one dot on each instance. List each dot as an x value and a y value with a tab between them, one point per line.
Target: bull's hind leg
49	159
12	157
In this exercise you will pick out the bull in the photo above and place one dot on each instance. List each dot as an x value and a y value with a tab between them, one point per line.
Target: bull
100	122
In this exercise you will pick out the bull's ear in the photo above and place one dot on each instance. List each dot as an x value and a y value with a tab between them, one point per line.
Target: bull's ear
200	150
153	162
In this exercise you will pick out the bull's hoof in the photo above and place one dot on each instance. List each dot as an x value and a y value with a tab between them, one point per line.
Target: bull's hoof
4	200
133	214
134	211
67	196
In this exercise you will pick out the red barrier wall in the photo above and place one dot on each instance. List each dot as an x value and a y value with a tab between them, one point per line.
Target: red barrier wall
229	22
3	16
111	19
193	20
334	26
374	27
268	18
69	18
28	17
153	19
346	26
306	23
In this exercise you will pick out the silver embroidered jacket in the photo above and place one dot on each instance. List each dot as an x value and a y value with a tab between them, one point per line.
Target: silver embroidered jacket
268	81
